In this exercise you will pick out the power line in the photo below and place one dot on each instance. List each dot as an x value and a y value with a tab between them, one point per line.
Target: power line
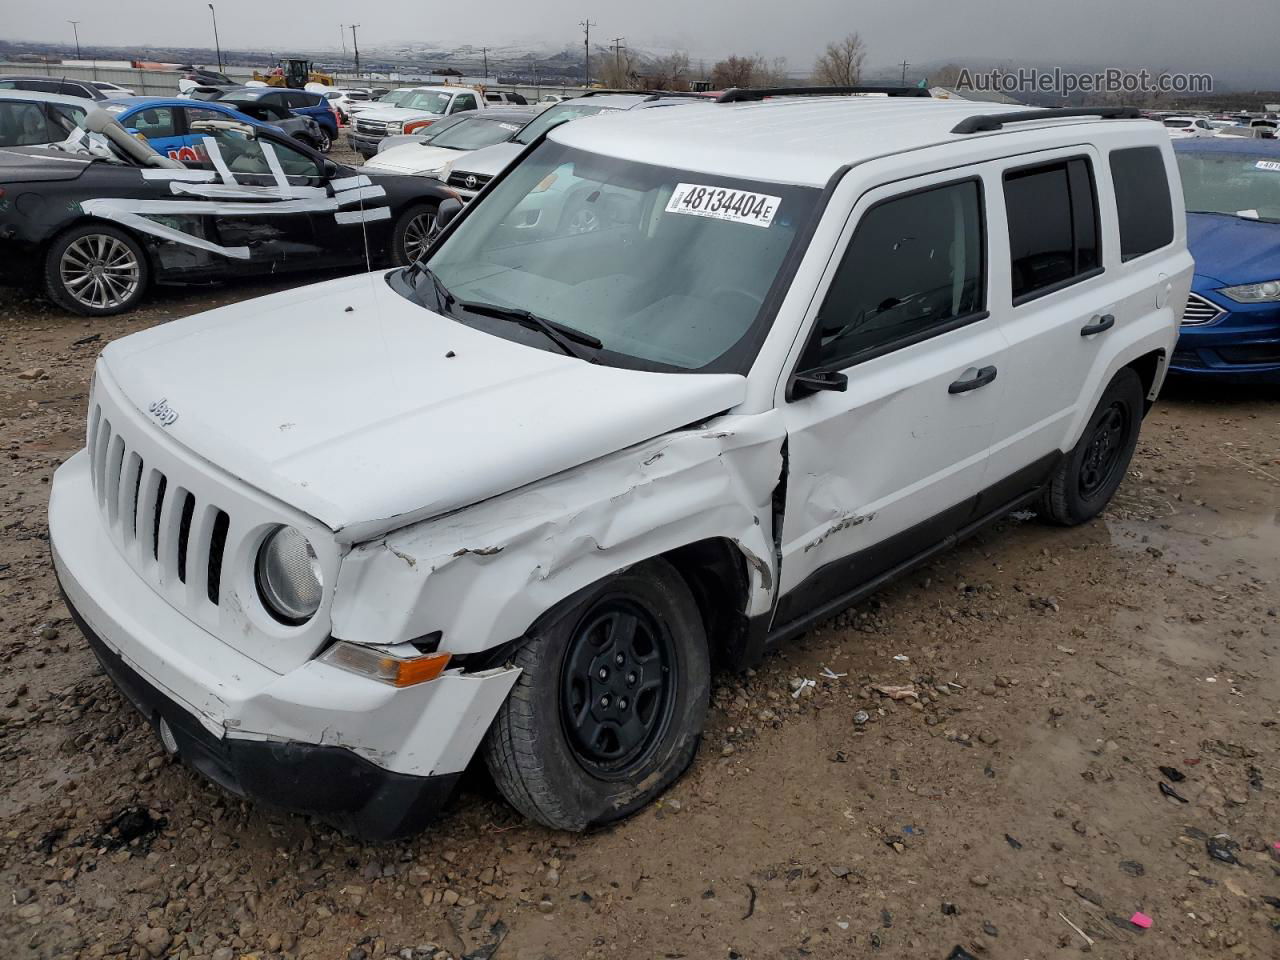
586	46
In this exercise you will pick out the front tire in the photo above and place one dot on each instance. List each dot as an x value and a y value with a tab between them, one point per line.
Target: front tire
1089	475
96	270
610	704
326	142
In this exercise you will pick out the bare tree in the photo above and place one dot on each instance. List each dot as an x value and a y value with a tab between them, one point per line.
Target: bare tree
946	75
670	72
841	64
735	71
617	70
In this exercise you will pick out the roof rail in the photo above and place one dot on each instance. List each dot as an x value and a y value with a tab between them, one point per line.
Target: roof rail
987	122
648	94
747	95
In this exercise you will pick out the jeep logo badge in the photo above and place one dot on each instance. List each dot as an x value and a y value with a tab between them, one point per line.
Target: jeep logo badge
161	410
471	181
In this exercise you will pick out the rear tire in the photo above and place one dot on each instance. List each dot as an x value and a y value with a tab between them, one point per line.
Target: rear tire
1089	475
96	270
610	704
326	142
412	234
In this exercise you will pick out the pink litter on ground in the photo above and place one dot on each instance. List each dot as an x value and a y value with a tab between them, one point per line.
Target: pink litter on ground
1140	920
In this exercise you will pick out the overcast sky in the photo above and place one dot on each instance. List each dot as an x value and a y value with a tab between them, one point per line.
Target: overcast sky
1173	34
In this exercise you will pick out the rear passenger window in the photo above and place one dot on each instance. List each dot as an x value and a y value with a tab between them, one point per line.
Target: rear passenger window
914	268
1053	226
1142	200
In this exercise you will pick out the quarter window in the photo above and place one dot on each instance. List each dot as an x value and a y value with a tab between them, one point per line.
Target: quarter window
915	268
1143	205
1053	226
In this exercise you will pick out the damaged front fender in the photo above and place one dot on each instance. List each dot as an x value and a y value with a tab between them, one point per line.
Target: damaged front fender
482	575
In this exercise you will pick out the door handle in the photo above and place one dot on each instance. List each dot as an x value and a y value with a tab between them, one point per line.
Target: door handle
1100	325
984	376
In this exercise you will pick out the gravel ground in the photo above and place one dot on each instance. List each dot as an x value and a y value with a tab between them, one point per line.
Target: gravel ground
1013	810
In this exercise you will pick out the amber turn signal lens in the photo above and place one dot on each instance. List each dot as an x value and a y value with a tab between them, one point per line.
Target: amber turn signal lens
395	671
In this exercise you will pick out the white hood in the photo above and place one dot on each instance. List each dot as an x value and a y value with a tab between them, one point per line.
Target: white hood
414	158
368	412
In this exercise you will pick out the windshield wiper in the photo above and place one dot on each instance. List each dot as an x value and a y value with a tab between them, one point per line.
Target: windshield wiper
561	335
443	296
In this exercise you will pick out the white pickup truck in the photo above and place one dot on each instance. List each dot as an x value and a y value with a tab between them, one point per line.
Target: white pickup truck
418	108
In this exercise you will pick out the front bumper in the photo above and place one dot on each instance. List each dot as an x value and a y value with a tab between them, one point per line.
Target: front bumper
1242	344
363	144
374	760
353	794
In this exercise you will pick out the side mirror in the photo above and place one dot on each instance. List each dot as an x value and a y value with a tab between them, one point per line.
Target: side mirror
330	169
804	384
449	208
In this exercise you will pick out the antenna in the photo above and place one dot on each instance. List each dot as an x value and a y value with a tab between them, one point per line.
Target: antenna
586	46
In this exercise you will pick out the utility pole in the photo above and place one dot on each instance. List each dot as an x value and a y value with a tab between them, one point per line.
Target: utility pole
75	28
904	72
355	45
342	32
485	53
217	45
617	57
586	46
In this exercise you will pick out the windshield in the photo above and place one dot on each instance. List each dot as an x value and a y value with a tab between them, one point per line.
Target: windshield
474	133
557	115
669	269
395	97
426	102
1239	184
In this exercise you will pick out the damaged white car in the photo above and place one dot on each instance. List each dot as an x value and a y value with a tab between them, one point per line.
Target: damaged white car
678	386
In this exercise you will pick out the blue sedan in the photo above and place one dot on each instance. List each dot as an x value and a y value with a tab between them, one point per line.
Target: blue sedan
1231	327
166	123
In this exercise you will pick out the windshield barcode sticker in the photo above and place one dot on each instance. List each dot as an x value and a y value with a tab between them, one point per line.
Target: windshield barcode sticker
1272	165
719	203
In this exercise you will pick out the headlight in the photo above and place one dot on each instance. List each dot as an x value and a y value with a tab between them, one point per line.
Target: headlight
395	128
1265	292
289	579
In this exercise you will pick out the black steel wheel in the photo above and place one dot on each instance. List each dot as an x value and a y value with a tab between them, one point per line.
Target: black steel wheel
1105	445
615	687
610	703
1088	476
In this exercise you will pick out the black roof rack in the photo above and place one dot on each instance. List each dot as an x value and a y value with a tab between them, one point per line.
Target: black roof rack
747	95
647	94
987	122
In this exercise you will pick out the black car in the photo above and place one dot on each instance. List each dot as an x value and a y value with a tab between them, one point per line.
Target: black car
71	88
96	224
303	129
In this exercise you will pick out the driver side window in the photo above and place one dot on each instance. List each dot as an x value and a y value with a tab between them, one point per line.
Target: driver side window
245	155
915	268
463	101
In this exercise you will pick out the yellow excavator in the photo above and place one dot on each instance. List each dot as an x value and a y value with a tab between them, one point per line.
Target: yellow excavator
293	73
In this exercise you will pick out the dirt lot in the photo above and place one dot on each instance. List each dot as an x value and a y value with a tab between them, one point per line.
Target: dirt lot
1014	811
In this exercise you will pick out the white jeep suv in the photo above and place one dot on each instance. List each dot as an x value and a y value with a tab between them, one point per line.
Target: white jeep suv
520	496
